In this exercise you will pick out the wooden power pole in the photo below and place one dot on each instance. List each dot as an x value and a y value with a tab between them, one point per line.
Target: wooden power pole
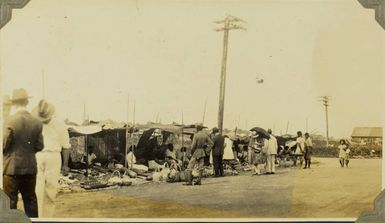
229	23
325	102
43	83
204	112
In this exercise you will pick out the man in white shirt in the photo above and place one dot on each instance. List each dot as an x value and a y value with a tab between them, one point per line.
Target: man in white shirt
271	152
56	140
299	152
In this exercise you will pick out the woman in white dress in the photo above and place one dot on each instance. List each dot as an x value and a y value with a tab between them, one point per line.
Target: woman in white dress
228	149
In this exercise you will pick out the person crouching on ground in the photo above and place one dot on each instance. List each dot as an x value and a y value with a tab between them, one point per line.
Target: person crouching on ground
170	155
200	141
56	140
218	148
271	152
308	150
91	157
22	138
184	157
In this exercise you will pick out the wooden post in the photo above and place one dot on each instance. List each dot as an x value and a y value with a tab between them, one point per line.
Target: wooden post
228	25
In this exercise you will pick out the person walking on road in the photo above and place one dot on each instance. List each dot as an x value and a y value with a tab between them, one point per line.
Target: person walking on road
271	152
22	139
49	160
200	142
217	152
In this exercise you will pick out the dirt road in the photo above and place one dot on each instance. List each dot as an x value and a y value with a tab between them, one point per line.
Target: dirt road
325	190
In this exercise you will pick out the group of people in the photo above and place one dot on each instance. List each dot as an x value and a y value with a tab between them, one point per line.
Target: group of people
34	145
344	153
304	150
262	152
36	150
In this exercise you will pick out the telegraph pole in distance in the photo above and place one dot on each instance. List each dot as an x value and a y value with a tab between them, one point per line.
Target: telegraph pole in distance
229	23
325	102
43	83
128	109
204	112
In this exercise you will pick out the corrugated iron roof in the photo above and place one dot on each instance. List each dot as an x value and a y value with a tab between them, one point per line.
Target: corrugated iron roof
367	132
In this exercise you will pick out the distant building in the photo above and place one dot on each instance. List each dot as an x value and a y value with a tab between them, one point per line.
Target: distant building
367	135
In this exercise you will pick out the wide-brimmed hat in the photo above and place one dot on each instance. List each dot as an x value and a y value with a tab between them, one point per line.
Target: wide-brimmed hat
19	94
44	111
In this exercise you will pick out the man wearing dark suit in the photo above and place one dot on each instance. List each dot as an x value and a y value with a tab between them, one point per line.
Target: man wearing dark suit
22	138
218	148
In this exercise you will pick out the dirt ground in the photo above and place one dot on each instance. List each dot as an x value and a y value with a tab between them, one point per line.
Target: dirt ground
324	191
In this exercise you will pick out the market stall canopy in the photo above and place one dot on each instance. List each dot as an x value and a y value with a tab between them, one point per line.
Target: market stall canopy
164	127
84	130
290	143
109	124
261	132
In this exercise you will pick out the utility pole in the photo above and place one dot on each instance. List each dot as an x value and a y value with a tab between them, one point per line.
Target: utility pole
229	23
43	83
287	127
204	112
133	122
128	109
182	118
84	112
307	125
325	102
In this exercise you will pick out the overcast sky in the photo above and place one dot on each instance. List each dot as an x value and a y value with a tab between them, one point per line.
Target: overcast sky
166	56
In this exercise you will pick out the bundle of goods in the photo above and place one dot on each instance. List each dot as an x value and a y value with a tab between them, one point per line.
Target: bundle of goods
174	174
170	174
285	162
207	172
230	172
233	164
154	166
92	183
139	168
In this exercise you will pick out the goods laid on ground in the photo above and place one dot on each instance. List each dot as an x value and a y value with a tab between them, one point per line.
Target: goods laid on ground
117	176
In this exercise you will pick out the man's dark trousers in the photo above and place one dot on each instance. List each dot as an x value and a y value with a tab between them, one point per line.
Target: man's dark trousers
25	184
218	165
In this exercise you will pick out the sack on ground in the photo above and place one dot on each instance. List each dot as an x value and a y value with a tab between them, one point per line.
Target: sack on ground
154	166
139	168
165	171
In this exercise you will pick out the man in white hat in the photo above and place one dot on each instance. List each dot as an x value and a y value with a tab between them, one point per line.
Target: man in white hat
22	138
56	140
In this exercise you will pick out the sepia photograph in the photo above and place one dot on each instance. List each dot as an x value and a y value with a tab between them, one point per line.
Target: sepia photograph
217	110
